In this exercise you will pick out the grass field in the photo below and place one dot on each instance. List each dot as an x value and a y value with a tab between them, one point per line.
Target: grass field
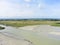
26	23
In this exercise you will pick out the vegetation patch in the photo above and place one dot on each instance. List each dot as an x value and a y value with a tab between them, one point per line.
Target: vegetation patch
21	23
56	24
2	28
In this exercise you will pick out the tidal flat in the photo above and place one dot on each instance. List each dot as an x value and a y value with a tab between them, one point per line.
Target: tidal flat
34	35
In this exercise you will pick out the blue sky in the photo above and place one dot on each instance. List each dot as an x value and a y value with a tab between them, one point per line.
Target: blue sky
29	8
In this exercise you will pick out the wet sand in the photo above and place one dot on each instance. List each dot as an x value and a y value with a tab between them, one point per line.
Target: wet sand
38	28
28	27
5	40
55	33
32	35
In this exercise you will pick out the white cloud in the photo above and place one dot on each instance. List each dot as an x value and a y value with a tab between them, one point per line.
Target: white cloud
27	5
39	5
27	0
13	10
10	10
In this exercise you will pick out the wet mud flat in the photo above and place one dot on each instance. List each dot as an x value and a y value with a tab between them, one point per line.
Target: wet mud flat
6	40
29	35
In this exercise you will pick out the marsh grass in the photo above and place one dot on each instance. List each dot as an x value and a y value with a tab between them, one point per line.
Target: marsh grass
29	22
2	28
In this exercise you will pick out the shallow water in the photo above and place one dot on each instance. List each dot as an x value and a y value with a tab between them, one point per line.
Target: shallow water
37	38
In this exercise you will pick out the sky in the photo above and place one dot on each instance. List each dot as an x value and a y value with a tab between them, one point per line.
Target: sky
29	8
